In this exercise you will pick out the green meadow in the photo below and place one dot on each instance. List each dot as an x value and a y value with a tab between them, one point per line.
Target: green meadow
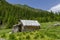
47	32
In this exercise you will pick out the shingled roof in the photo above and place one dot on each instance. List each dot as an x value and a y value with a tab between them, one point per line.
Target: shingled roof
30	22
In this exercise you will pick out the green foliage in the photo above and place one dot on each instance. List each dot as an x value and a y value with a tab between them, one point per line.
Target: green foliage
28	37
12	37
47	32
10	14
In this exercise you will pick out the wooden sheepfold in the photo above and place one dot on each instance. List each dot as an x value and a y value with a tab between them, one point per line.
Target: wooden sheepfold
27	25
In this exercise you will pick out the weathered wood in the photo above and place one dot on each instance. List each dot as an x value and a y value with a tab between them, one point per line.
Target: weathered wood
15	29
21	27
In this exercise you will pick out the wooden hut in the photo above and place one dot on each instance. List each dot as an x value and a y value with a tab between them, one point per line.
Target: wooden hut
27	25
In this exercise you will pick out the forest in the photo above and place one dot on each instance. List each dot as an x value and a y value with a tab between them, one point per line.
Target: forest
10	14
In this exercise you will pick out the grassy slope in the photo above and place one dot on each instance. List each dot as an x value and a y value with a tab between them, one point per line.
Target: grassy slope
10	12
47	32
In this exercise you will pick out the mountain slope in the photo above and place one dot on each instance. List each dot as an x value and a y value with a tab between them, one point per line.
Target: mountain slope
10	14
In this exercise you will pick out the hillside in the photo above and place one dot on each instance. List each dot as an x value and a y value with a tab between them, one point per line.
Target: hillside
47	32
11	14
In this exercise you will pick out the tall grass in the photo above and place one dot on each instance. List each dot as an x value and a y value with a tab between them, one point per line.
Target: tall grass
47	32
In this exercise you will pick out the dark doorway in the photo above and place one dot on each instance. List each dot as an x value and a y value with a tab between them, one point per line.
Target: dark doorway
0	22
20	27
